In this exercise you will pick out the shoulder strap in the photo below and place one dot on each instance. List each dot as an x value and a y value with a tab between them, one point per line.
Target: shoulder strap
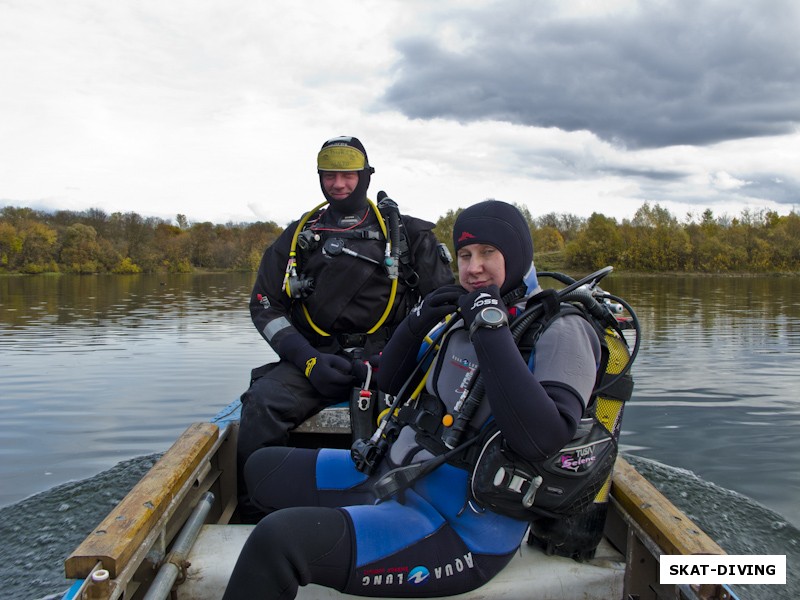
548	298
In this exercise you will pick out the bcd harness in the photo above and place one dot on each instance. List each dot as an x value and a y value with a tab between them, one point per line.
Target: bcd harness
501	480
397	261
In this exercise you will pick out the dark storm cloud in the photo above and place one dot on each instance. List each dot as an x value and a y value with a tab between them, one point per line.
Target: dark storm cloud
778	188
560	165
650	174
683	72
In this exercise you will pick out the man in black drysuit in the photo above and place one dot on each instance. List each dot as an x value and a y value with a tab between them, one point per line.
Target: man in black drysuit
324	299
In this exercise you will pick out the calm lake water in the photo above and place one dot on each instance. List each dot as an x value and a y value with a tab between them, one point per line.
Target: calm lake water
100	373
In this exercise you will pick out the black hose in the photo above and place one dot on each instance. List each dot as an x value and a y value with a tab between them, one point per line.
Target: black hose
391	212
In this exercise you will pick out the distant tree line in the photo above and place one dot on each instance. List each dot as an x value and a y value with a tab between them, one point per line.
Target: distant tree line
92	241
757	241
653	240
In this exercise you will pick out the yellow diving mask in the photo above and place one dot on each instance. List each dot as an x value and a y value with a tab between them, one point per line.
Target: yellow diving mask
340	158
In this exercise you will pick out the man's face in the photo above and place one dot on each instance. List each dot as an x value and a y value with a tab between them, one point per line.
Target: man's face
479	266
339	184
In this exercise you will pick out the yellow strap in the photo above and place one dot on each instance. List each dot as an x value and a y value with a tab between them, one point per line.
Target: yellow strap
293	246
392	293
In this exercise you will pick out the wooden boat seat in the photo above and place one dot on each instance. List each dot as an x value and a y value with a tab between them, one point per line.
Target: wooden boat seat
334	419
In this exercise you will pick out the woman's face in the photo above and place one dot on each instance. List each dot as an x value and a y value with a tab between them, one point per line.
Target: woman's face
479	266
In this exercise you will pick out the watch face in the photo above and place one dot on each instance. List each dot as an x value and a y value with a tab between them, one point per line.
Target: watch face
493	315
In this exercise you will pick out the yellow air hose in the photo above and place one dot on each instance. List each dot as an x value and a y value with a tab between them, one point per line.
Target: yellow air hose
293	262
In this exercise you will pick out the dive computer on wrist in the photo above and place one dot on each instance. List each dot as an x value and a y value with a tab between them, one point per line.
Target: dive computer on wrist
490	317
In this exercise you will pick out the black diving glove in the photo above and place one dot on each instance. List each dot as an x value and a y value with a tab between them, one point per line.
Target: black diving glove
360	370
474	302
434	307
331	375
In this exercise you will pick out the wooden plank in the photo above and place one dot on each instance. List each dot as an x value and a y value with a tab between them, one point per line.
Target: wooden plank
119	535
670	529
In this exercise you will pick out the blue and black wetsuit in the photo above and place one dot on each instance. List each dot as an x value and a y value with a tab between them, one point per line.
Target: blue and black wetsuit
324	525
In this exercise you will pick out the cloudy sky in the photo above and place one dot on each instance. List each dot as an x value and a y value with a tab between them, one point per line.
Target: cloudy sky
216	108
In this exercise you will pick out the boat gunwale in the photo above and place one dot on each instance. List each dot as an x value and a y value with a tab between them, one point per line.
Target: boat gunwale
149	517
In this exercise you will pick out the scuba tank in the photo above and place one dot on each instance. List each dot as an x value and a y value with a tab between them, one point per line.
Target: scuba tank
577	535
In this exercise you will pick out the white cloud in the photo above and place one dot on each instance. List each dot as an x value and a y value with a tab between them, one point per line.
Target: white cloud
725	181
216	110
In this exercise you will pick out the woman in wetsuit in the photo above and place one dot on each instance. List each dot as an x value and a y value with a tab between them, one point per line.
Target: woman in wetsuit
324	525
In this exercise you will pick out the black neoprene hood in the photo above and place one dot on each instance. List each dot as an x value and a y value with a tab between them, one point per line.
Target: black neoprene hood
349	148
501	225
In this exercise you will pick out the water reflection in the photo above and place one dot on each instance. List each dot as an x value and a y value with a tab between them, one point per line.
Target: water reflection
97	369
100	369
135	300
716	381
714	304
